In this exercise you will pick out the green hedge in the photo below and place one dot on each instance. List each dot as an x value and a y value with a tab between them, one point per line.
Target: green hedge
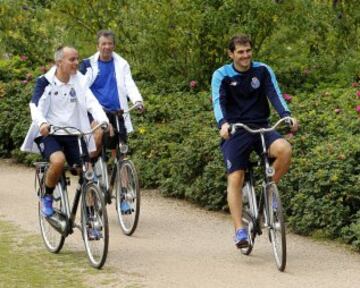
176	148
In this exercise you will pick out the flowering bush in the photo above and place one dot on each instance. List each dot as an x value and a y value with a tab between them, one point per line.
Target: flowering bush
287	97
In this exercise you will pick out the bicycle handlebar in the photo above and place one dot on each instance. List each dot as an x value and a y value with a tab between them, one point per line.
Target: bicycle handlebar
233	127
122	112
54	129
137	104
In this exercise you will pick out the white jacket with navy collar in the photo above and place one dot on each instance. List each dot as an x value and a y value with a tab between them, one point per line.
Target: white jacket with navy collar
125	83
44	92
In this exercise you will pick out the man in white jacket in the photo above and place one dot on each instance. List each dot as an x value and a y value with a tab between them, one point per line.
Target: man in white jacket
109	78
61	98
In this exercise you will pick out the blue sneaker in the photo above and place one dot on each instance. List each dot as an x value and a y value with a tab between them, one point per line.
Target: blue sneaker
94	234
125	208
241	238
46	205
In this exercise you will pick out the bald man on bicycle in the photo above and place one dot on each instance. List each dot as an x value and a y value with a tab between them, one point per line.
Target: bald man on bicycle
61	98
241	92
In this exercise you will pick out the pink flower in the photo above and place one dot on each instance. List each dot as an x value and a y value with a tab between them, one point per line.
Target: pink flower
355	84
23	58
358	108
358	93
193	84
337	110
24	82
287	97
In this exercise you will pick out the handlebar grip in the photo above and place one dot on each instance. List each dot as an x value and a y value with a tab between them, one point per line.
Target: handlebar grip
289	122
104	125
231	129
51	129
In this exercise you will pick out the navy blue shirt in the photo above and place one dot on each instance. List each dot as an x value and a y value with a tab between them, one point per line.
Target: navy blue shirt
243	96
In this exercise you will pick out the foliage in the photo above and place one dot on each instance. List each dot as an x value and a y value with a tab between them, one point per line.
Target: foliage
14	98
25	29
322	188
173	47
170	153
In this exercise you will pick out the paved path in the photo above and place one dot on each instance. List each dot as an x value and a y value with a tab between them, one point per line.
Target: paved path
179	245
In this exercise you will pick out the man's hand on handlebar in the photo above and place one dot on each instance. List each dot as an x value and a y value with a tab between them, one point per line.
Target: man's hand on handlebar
44	129
140	106
293	125
224	131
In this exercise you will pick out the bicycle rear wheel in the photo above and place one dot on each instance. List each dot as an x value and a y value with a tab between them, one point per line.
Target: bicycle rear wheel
248	218
277	227
127	196
52	239
95	226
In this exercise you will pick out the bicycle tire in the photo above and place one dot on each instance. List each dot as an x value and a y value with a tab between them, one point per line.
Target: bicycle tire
277	227
101	172
248	219
127	193
53	240
94	216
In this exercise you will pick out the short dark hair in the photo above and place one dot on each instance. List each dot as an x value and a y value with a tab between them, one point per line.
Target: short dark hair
105	33
241	39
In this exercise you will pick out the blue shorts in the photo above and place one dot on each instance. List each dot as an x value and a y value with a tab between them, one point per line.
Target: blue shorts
66	143
237	149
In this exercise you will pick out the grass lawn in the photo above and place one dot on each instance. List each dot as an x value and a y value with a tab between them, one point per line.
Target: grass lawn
25	262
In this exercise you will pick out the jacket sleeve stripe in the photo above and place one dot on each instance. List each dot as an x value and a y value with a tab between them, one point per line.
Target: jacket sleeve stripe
277	89
215	88
41	84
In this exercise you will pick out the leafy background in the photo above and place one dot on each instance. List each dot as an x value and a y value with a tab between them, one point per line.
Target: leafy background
173	47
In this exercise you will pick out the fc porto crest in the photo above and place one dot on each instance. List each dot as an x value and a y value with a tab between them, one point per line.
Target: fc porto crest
72	95
72	92
255	83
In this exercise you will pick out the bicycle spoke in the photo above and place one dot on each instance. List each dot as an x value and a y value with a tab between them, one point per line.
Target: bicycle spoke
277	227
53	240
95	226
127	197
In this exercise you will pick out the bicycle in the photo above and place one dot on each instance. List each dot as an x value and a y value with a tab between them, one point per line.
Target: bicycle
266	205
56	228
125	180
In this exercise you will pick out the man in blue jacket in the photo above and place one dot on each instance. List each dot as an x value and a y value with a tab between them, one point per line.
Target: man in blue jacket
240	93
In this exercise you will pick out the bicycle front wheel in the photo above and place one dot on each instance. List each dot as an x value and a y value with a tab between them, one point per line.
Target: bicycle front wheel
277	227
95	226
127	196
52	239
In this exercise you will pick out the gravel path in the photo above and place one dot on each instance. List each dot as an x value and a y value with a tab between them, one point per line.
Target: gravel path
180	245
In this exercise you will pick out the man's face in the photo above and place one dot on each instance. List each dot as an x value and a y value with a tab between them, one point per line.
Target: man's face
241	56
106	47
69	63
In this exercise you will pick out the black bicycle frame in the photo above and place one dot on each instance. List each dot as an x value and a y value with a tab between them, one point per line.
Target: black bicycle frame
64	182
119	154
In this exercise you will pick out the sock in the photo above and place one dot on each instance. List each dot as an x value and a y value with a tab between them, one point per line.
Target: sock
48	190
